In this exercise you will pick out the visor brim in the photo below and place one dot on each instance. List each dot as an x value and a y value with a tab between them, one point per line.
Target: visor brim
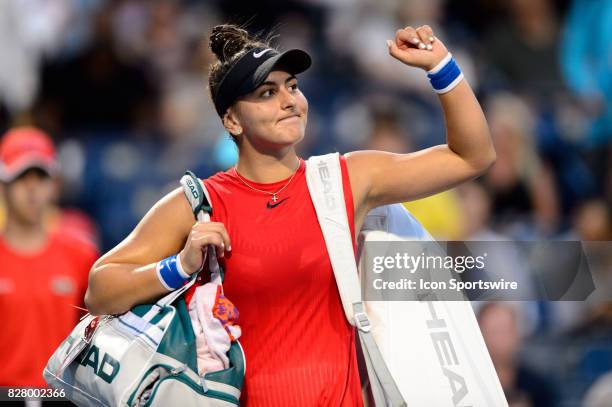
293	61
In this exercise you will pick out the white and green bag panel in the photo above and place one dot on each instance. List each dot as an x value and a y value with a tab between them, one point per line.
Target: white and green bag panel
140	346
177	365
165	383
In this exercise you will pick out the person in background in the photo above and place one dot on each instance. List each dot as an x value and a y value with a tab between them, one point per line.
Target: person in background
523	191
592	225
586	38
523	47
43	273
499	323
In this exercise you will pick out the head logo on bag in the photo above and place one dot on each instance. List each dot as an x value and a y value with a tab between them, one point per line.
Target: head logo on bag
445	349
106	369
327	185
193	189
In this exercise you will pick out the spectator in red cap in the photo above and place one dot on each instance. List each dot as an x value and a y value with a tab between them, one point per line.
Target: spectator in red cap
25	148
43	276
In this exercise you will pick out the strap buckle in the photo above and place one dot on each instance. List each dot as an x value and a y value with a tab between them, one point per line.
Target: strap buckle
362	322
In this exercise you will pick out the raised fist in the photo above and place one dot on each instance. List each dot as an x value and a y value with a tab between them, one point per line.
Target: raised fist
419	48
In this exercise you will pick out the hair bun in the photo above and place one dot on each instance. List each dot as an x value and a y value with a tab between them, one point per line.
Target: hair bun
227	40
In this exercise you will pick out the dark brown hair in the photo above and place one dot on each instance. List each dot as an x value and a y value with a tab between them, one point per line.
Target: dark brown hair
229	42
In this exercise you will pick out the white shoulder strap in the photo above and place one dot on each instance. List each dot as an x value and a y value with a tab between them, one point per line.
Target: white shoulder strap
324	179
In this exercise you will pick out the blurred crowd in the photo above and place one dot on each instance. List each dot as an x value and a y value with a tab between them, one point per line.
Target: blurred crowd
121	86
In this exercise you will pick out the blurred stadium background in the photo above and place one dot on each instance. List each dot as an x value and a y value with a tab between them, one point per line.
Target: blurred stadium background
121	87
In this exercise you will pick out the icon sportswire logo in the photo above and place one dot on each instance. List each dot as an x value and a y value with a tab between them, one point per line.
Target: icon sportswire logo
260	53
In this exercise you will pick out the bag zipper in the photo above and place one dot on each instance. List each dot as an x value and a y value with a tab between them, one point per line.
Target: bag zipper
182	378
177	374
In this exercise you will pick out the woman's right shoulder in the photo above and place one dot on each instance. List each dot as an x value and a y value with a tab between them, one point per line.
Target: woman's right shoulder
172	208
160	233
220	185
175	202
220	178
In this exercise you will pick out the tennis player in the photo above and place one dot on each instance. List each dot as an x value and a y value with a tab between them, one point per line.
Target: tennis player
299	347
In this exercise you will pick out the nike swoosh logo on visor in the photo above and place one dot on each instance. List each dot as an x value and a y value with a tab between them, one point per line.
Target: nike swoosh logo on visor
272	206
260	53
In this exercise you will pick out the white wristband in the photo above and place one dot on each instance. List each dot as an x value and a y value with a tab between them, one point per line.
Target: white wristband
179	267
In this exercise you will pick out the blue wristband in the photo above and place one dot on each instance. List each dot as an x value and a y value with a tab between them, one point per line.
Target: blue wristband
446	75
170	273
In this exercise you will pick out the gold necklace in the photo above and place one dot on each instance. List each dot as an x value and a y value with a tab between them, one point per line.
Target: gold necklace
274	197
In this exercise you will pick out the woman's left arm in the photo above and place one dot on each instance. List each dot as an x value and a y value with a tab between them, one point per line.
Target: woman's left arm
380	178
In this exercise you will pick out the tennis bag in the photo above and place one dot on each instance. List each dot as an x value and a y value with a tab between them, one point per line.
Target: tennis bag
146	356
417	353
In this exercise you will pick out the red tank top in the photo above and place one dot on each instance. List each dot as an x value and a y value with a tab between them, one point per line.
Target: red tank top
300	349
